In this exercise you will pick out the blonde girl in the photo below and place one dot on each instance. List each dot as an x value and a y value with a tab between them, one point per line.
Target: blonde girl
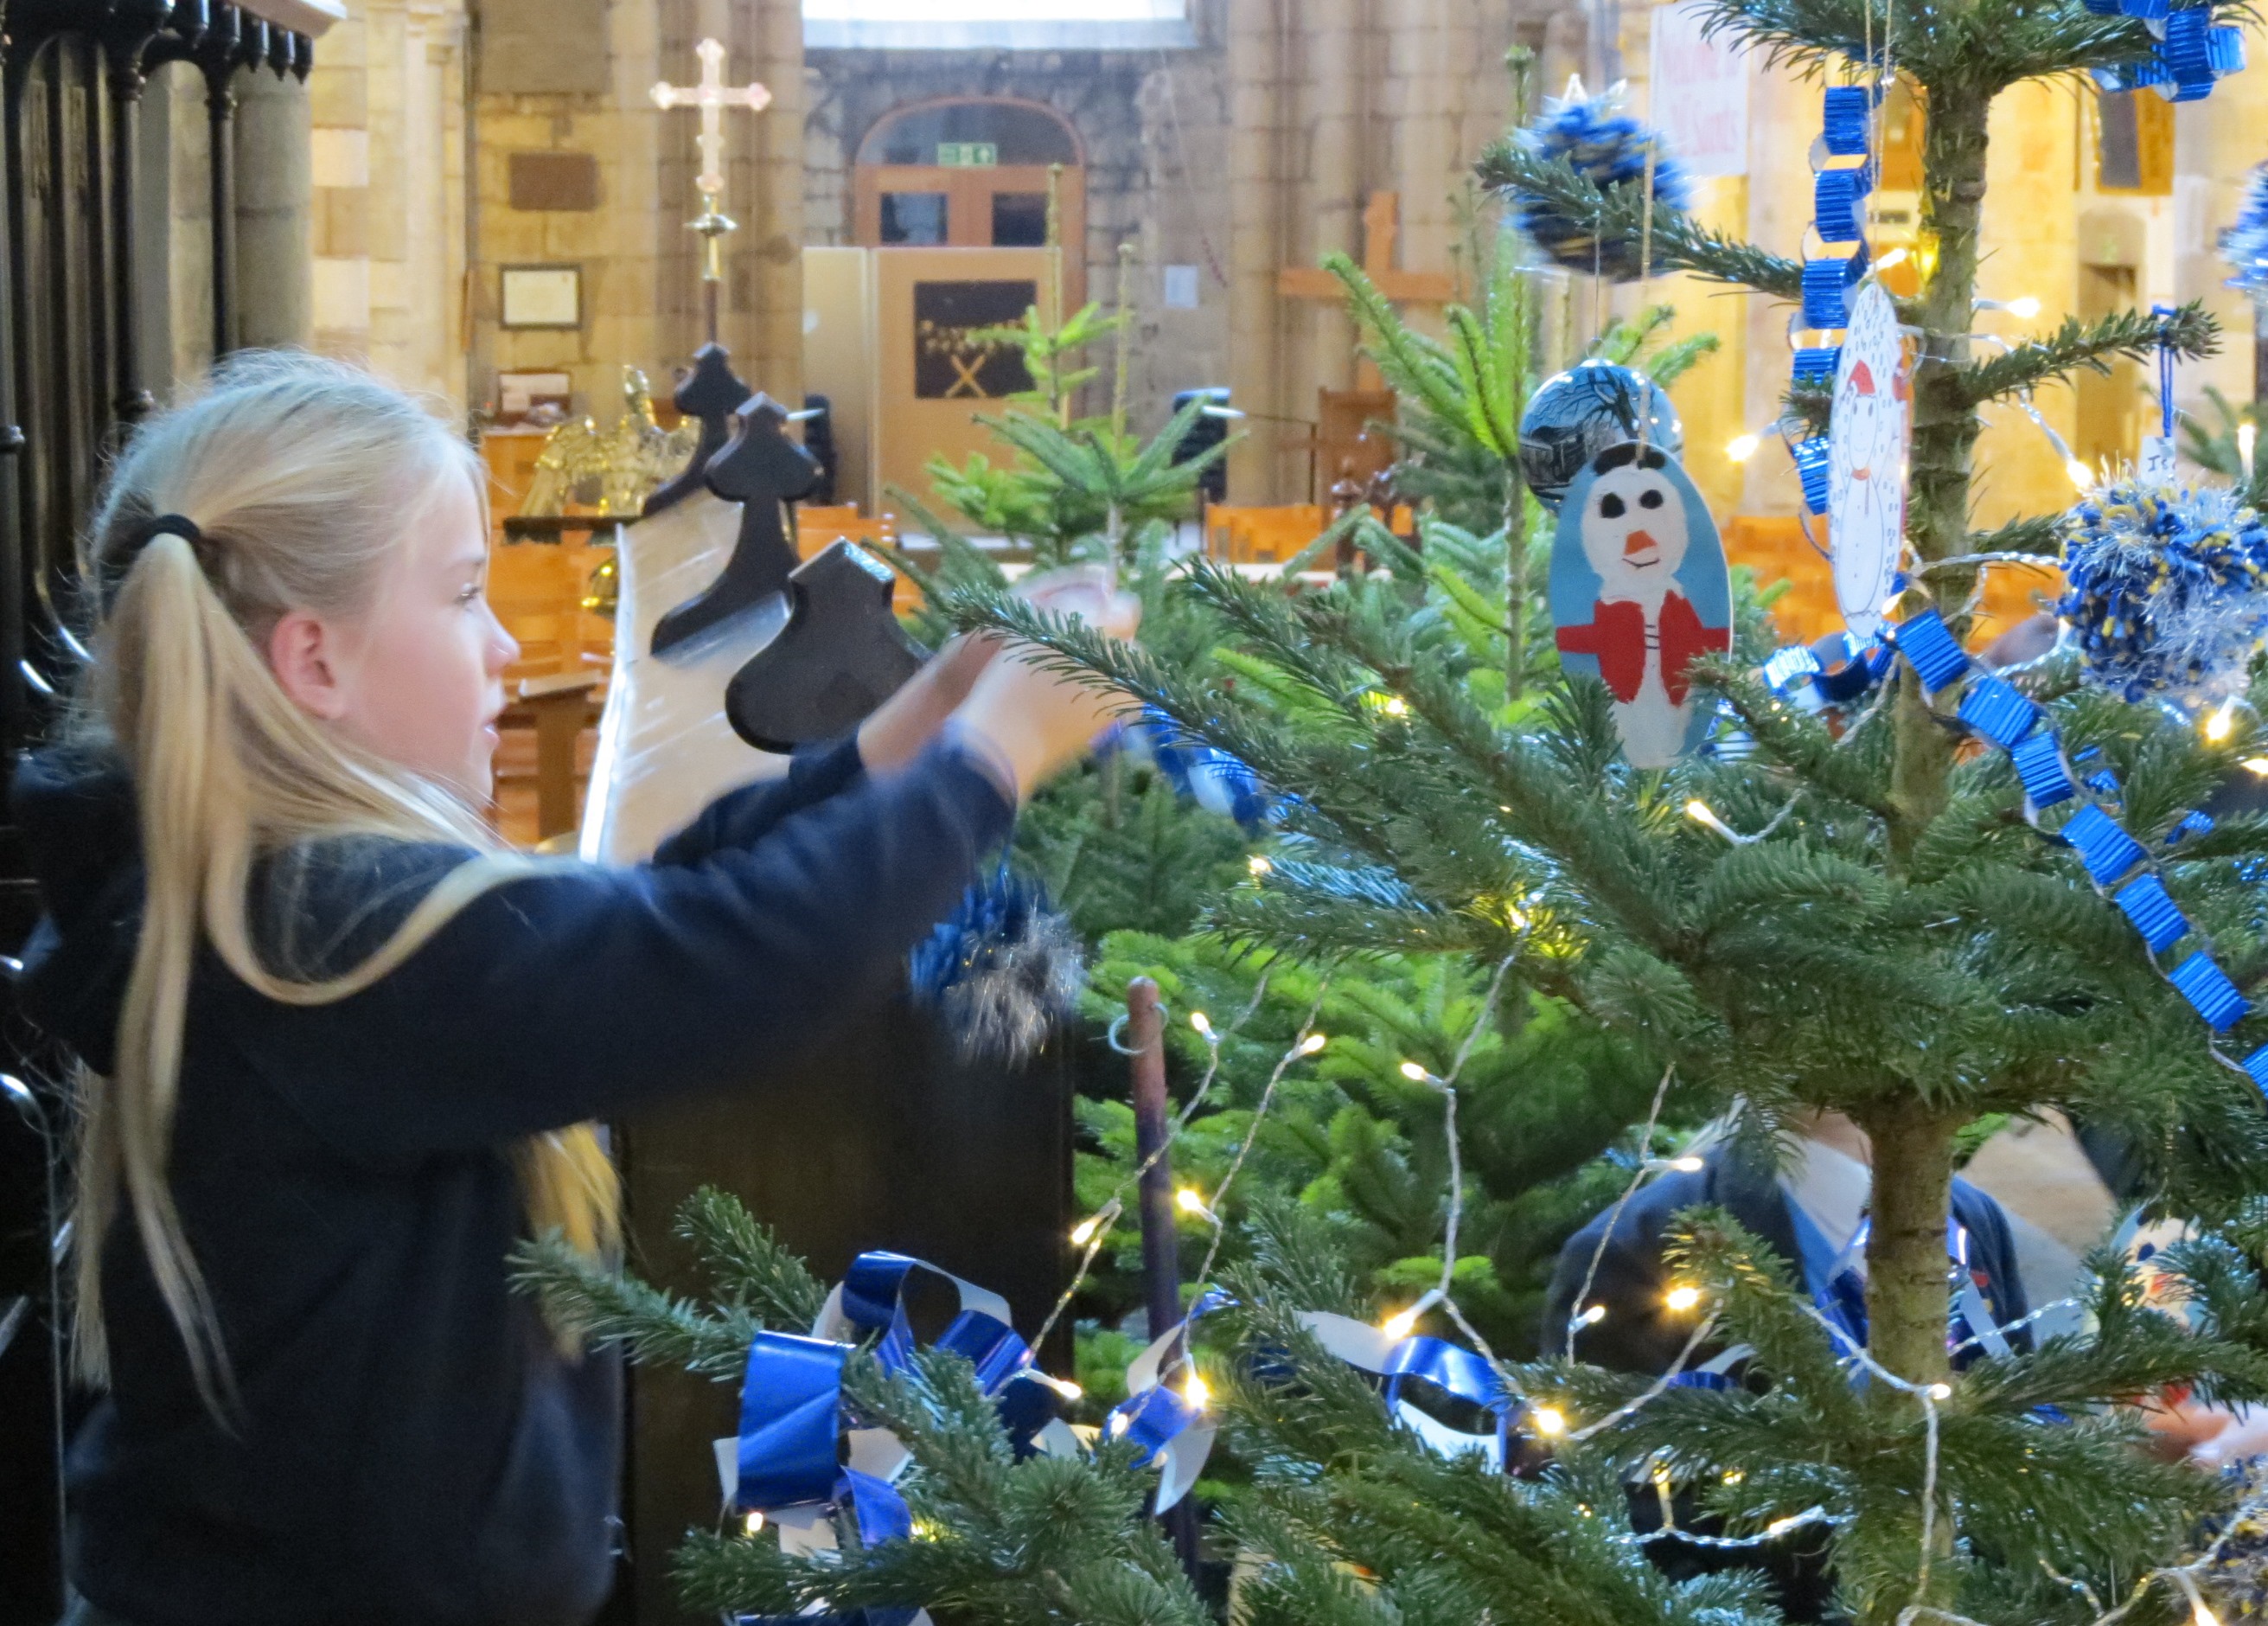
342	1050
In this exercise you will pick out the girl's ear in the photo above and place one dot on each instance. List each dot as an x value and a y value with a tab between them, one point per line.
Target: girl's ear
303	653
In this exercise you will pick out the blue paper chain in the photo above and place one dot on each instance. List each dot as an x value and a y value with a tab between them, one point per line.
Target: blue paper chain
2192	52
2119	867
1838	198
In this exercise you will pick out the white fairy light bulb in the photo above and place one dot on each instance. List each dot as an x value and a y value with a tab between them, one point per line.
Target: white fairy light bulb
1681	1298
1549	1421
1742	448
1312	1044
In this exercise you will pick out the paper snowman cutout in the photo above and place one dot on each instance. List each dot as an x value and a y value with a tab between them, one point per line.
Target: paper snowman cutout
1639	589
1866	461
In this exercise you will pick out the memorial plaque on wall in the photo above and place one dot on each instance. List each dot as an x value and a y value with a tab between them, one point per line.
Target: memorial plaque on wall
947	365
554	179
543	47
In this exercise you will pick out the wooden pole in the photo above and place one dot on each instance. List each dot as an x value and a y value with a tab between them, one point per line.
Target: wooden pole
1161	1262
1161	1265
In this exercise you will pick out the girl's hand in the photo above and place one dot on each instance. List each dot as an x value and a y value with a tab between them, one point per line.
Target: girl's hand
1035	720
893	735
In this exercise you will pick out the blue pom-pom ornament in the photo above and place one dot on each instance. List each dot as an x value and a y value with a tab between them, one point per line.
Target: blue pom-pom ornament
1607	149
2166	592
2244	245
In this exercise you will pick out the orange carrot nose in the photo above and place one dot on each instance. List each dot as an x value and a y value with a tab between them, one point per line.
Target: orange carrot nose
1637	542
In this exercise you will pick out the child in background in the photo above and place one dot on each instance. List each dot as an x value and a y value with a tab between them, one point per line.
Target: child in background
343	1051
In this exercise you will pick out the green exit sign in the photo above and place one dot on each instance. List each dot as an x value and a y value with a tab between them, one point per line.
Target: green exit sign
969	154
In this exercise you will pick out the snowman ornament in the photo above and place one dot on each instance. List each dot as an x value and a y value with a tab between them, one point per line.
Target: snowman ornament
1640	588
1866	461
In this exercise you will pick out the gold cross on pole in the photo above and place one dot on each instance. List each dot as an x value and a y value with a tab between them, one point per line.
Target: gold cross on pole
711	96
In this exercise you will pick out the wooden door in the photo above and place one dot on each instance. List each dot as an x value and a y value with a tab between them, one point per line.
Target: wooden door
931	383
993	206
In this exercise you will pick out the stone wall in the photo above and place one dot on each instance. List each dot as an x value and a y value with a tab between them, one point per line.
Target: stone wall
640	274
387	102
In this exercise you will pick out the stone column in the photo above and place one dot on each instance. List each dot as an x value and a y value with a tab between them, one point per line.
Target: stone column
338	93
1259	207
274	264
767	255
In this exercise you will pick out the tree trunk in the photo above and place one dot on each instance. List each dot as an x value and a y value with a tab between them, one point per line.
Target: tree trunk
1907	1301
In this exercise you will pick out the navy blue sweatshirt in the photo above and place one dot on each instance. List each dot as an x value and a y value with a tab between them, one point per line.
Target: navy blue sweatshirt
411	1447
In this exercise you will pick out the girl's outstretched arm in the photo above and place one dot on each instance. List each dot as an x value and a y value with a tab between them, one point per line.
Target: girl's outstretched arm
578	991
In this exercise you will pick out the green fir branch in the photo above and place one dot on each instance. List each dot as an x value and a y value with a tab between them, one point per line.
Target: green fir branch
2134	335
1617	214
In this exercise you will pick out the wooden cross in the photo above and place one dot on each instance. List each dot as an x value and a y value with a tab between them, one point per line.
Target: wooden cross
1381	224
712	96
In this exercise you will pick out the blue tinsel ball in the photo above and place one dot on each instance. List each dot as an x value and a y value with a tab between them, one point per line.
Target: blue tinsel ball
2244	245
1607	149
2166	592
1575	415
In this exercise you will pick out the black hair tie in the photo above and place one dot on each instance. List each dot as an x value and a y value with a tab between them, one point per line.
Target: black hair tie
142	533
160	525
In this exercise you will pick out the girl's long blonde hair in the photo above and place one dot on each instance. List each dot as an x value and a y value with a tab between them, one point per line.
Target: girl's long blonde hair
301	476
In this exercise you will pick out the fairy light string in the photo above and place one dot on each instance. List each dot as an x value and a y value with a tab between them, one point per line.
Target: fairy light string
1094	1231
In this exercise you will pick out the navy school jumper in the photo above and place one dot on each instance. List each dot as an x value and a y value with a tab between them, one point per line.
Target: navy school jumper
411	1445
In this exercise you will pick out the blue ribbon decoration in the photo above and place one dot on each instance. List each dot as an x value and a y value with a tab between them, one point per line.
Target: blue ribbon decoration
791	1410
791	1417
872	1297
2114	861
1453	1371
790	1413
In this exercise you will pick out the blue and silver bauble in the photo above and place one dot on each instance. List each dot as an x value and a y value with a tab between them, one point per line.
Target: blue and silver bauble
2168	592
1607	149
1580	413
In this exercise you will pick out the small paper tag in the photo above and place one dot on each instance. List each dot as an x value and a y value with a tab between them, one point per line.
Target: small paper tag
2157	464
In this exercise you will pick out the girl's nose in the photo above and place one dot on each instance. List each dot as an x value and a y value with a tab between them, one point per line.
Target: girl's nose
503	648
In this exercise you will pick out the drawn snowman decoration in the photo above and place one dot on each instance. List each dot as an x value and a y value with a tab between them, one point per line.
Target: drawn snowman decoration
1866	461
1638	590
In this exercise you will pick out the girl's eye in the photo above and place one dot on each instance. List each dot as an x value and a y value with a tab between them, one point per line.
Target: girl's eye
471	595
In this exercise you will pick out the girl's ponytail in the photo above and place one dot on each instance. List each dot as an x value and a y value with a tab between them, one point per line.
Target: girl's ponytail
178	655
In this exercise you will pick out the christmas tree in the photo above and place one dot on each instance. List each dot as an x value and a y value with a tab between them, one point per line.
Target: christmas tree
1879	920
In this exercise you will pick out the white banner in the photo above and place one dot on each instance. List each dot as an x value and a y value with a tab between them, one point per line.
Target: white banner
1700	93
